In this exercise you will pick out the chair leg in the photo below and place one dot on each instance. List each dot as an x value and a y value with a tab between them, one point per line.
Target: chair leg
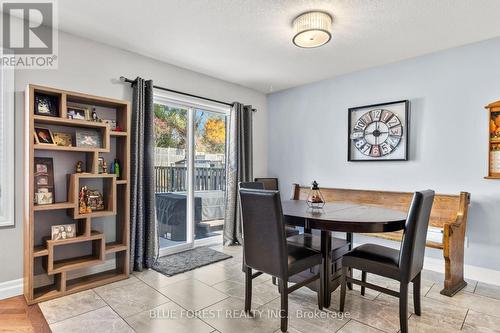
343	286
416	295
248	289
349	284
403	307
321	287
363	278
284	305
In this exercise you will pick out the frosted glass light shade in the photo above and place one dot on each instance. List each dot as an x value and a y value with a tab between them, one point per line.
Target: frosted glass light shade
312	29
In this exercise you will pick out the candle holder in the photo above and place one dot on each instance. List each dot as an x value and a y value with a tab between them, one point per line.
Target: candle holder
315	199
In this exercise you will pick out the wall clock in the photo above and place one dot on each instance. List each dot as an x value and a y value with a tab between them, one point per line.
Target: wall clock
379	132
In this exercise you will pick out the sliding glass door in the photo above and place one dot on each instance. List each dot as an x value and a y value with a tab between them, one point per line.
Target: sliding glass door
190	172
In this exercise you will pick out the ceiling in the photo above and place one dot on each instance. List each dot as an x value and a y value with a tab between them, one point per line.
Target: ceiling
248	42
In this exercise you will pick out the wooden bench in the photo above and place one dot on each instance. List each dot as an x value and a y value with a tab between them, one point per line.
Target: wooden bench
449	213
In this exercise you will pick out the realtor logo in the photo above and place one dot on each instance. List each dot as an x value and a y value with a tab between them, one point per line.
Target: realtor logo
29	34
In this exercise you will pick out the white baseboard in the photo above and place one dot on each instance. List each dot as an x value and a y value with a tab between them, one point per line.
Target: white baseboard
11	288
476	273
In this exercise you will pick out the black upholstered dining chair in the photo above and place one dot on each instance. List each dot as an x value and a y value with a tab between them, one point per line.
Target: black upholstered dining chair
404	265
265	248
269	183
257	185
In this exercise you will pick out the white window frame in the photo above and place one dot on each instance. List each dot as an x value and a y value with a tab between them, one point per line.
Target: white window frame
6	145
191	103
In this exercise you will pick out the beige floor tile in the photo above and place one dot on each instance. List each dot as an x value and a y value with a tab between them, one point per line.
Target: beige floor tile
261	292
305	315
158	280
168	317
229	317
447	315
416	326
131	280
103	320
379	313
71	305
192	294
479	322
132	299
290	330
214	274
354	326
488	290
468	300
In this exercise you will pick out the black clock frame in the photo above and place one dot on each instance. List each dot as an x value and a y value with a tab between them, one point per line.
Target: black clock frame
406	131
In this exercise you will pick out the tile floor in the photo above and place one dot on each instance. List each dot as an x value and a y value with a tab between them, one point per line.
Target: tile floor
210	299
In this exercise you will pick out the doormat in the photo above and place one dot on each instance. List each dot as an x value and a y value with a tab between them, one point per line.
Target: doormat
188	260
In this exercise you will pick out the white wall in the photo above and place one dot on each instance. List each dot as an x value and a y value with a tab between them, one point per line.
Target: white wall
448	134
94	68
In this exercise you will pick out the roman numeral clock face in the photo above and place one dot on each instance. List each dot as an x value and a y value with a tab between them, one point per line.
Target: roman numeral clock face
378	134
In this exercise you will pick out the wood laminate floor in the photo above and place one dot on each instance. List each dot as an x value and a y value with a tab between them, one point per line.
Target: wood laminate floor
17	317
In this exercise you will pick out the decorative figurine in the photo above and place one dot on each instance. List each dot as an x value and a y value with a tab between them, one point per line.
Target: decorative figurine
104	167
83	208
94	115
79	167
116	168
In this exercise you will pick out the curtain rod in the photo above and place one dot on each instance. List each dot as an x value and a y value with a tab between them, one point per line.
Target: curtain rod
124	79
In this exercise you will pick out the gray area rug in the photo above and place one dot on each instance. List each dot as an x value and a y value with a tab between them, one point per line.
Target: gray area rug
188	260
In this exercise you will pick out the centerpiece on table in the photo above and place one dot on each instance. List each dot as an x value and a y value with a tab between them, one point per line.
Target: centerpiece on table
315	199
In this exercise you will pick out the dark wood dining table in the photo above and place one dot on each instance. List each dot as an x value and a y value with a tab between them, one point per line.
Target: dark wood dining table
341	217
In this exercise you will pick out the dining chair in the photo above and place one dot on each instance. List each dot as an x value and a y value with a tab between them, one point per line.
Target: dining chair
269	183
404	265
265	248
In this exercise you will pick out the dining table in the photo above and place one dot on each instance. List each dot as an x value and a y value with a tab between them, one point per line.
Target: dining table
340	217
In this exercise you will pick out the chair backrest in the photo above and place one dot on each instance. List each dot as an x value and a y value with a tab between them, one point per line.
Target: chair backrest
264	246
269	183
411	256
252	185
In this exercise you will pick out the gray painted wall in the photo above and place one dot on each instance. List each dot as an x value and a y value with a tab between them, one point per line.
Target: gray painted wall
449	132
94	68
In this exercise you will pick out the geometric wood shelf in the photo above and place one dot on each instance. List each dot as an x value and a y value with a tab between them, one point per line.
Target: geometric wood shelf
65	261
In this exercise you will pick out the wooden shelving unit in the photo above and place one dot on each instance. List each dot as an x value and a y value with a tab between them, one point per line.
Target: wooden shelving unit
81	262
493	140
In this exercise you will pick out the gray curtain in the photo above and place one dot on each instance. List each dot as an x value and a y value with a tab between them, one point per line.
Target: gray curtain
143	227
239	161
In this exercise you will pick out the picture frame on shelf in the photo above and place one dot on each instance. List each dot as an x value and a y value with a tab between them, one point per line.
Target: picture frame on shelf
44	197
379	132
44	180
44	136
88	138
46	105
63	139
63	231
78	113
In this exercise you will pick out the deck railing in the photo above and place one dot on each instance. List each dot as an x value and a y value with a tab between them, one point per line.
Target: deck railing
174	179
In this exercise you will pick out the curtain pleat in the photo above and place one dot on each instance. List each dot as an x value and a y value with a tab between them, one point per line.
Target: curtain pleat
143	227
239	168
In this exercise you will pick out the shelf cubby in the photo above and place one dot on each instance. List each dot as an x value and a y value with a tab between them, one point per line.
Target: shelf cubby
55	268
108	190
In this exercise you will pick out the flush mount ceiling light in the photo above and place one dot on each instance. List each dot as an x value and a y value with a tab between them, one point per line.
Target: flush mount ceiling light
312	29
